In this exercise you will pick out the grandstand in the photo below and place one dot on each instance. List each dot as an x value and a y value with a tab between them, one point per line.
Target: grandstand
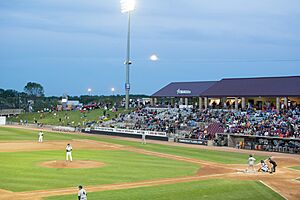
237	93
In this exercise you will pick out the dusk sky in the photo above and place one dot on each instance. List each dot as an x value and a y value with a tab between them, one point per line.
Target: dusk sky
71	45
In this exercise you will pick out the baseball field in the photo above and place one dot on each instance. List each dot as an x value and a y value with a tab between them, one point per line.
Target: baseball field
123	169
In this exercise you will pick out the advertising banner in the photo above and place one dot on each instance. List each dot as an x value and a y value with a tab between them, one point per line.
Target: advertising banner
131	131
190	141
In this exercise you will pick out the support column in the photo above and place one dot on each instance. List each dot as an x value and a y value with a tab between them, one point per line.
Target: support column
223	102
205	102
151	102
139	102
181	101
236	103
285	102
230	141
155	101
186	101
172	101
243	103
200	103
277	103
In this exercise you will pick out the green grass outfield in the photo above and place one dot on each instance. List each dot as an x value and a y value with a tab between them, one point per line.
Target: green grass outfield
207	155
297	167
20	171
208	189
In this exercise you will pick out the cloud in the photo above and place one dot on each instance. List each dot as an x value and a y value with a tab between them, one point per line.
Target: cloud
196	34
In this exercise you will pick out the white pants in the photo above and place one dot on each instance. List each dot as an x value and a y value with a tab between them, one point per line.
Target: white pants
69	154
264	169
40	139
251	168
143	139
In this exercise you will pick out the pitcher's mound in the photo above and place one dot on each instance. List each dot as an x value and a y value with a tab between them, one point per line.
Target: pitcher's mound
73	164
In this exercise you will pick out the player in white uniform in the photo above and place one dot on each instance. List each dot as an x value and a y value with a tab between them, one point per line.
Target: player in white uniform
251	161
263	166
82	195
143	138
69	152
41	135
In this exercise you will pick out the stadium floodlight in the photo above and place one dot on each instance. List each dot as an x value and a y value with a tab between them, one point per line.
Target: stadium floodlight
89	91
113	96
113	91
127	6
153	57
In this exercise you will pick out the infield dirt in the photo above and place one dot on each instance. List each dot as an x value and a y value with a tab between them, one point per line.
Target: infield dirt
84	164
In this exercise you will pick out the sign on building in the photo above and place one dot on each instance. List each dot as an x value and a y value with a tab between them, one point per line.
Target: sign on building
180	91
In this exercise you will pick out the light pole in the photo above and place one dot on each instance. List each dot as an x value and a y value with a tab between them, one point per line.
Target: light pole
89	91
113	95
113	91
127	6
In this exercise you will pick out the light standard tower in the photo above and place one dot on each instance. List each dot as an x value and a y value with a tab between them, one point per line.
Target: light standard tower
90	91
113	96
113	91
127	6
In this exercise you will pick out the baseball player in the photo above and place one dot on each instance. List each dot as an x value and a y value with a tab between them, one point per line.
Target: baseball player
41	136
82	195
251	161
274	165
263	166
69	152
143	138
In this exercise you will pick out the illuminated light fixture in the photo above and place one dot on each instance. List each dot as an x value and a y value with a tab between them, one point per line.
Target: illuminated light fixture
89	91
153	57
127	5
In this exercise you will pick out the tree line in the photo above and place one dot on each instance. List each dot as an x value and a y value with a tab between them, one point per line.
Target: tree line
33	98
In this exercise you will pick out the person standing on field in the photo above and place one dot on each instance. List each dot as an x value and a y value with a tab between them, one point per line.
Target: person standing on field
69	152
143	138
41	136
274	165
251	161
82	195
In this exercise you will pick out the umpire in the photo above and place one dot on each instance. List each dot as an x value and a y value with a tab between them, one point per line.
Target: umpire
274	165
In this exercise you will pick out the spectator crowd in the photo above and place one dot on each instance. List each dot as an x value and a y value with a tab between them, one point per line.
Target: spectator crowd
198	124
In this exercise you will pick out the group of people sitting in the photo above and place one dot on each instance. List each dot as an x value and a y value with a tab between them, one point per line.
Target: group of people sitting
284	124
158	120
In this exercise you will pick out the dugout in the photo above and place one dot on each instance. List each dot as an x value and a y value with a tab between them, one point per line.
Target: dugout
261	143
